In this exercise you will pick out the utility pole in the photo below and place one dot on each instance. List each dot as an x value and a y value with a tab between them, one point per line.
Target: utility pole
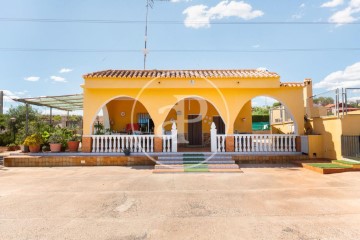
149	4
1	102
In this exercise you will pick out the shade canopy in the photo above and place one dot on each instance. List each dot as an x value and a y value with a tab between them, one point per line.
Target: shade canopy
64	102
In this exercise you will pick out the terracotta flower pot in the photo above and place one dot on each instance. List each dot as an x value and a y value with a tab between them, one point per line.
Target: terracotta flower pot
34	148
55	147
73	146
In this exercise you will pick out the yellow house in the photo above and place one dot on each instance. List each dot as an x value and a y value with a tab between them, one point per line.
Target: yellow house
195	105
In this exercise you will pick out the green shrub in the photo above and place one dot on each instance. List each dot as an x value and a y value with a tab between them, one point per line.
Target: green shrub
34	139
260	118
56	138
6	138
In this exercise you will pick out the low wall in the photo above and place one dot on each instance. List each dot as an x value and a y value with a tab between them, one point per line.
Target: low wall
72	161
75	161
268	159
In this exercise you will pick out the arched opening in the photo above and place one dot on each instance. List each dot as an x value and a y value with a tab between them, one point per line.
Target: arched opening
265	115
123	116
193	117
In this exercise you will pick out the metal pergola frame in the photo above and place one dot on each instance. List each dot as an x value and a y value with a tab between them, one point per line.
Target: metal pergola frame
66	103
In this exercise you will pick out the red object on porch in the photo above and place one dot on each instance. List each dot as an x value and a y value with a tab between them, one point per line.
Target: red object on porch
132	127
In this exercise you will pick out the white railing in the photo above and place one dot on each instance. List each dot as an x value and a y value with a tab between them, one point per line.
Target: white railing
265	143
254	142
220	143
118	143
135	143
305	144
170	141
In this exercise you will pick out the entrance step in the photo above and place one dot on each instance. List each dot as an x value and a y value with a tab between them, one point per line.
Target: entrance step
198	166
172	171
172	162
196	162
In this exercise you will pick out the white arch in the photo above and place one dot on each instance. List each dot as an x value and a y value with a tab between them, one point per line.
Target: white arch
296	130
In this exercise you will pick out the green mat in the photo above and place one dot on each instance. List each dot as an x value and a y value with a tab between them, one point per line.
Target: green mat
193	155
196	168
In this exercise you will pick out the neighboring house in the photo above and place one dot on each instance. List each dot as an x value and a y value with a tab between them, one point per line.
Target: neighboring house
331	132
332	109
281	121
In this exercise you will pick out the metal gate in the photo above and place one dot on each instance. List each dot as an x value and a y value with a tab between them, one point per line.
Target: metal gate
350	146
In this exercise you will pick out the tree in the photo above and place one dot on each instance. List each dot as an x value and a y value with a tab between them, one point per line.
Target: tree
260	110
323	101
276	104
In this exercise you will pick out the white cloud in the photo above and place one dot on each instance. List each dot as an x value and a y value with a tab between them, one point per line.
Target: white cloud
348	78
176	1
199	16
348	14
256	46
332	3
8	95
65	70
58	79
32	79
302	5
263	69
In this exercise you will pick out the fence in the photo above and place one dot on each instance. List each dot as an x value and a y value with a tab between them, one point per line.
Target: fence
135	143
338	103
350	146
254	142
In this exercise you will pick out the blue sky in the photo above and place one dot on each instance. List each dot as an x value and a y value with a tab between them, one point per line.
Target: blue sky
25	74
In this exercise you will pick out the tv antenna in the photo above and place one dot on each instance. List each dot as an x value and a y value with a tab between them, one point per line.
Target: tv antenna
149	4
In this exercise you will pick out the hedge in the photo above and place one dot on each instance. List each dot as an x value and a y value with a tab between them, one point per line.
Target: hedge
260	118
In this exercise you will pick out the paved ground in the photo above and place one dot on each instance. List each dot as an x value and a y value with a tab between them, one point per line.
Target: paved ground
127	203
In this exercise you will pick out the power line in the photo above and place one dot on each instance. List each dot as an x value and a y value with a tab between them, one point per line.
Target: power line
269	50
113	21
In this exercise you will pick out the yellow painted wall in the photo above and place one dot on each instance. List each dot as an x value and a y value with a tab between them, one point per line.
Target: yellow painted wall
191	107
243	122
331	129
130	107
281	128
229	96
316	144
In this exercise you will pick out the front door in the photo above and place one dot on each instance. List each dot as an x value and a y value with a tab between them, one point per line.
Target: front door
220	125
194	130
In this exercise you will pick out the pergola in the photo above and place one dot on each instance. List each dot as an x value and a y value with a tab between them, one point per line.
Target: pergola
66	103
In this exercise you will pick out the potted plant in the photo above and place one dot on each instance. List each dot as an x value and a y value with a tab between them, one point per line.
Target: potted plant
11	147
73	142
20	138
127	151
55	141
34	142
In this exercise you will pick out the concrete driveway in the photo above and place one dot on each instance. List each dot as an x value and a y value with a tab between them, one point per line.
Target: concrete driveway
132	203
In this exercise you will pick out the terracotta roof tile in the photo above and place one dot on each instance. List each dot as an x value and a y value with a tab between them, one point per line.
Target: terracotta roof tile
293	84
237	73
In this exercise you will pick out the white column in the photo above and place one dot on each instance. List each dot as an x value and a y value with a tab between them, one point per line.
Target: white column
174	138
213	134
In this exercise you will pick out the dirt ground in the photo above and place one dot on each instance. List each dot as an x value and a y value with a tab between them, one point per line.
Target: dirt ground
132	203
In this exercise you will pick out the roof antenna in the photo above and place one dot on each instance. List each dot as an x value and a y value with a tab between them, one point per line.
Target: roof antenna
149	3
